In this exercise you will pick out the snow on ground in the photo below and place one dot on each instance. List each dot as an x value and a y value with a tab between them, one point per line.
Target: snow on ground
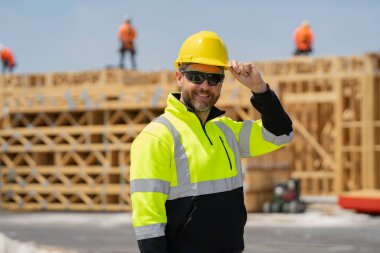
8	245
316	216
306	220
104	220
321	215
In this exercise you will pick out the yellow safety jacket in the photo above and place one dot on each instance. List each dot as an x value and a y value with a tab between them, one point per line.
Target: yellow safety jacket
177	163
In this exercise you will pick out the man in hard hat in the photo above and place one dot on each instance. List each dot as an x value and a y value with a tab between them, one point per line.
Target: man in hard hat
7	59
186	174
127	35
303	38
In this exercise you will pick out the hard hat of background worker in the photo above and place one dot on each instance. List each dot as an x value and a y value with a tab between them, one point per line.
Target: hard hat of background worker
1	47
127	17
305	23
204	47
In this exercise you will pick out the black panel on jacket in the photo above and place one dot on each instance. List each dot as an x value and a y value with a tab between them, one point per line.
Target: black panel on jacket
153	245
274	118
212	223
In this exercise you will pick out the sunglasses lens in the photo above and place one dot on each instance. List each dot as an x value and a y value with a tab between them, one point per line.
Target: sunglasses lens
196	77
214	79
199	77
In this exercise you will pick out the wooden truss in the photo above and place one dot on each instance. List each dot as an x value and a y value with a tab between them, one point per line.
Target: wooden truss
65	137
334	106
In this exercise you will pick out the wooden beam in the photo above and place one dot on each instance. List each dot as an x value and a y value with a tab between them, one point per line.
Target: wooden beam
327	159
368	172
309	97
338	140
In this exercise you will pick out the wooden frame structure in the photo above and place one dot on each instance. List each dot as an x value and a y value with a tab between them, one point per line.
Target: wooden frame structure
65	137
336	115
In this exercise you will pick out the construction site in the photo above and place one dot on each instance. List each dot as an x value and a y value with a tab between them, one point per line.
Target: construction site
189	126
66	137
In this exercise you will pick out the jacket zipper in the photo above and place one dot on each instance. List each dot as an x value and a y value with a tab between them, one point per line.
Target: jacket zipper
229	160
204	130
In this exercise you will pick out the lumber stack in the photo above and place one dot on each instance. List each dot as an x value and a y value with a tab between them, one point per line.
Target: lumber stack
261	174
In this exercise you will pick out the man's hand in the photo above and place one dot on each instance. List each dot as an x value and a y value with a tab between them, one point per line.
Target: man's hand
248	75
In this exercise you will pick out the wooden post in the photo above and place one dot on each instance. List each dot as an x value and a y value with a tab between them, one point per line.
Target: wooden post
338	154
2	89
368	179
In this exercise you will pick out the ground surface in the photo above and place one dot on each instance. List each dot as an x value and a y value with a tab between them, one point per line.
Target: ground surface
318	230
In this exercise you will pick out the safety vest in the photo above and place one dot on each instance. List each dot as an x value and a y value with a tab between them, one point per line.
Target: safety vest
127	33
303	38
7	56
175	156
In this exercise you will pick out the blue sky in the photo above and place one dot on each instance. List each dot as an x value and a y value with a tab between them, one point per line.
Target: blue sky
74	35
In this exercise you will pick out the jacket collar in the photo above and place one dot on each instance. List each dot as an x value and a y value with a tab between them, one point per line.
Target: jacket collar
179	109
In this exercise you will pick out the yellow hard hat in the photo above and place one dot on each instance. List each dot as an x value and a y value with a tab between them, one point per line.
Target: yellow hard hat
204	47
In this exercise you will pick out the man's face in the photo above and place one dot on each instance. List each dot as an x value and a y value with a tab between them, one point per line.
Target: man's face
200	97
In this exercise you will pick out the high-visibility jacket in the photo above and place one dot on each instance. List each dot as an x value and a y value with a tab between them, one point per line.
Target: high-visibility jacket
127	34
303	38
7	56
186	178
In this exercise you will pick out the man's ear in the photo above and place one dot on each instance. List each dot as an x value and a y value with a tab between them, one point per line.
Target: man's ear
179	76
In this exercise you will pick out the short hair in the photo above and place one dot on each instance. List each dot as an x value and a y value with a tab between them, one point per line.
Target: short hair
183	66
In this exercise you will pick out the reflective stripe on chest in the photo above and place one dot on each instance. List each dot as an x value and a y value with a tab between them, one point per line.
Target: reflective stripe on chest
201	173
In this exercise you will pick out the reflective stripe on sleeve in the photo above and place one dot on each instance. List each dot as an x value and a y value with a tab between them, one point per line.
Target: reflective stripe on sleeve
244	139
150	185
150	231
278	140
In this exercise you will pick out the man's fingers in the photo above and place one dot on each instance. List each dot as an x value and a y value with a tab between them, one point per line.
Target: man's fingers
233	65
246	69
234	68
241	68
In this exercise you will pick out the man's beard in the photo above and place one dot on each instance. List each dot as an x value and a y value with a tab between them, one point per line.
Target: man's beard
198	106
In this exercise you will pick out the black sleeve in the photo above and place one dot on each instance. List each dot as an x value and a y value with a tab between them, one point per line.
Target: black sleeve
153	245
274	118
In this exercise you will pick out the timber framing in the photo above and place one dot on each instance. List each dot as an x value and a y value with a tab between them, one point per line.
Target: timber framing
65	138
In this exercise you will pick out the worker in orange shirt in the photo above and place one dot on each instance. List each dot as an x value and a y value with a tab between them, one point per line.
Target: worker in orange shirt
7	59
127	35
303	39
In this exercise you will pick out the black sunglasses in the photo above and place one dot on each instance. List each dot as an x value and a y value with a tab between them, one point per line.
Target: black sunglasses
199	77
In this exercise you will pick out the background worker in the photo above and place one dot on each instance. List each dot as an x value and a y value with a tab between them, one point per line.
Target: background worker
127	35
303	39
186	173
7	59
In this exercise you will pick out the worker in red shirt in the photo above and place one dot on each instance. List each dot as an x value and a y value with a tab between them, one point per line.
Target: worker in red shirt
127	35
303	39
7	59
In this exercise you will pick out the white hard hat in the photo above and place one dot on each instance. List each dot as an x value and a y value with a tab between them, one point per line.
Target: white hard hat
1	47
305	23
127	17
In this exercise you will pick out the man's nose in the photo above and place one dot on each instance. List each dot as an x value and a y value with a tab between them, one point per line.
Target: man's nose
205	84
